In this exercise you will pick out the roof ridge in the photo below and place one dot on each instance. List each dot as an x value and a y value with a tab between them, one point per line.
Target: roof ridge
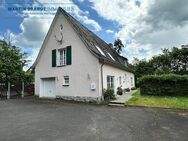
83	25
92	40
89	30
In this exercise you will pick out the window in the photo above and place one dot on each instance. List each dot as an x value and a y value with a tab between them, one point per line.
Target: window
126	64
110	82
120	80
101	52
111	56
62	57
66	81
131	81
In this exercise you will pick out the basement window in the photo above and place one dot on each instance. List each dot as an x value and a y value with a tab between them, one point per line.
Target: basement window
66	81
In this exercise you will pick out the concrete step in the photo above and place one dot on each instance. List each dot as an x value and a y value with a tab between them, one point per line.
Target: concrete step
116	104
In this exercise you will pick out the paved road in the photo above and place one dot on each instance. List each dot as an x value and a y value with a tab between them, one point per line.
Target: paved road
41	120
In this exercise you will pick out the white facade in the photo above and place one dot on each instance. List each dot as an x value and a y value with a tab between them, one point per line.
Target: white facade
122	78
84	72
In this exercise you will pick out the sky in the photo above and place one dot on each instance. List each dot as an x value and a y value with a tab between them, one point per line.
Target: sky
144	26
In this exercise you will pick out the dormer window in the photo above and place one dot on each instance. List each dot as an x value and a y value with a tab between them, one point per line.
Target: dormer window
111	56
101	52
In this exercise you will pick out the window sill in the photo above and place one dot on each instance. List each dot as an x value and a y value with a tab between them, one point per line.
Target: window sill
61	65
65	85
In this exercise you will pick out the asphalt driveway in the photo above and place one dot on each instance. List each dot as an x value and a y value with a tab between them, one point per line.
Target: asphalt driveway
48	120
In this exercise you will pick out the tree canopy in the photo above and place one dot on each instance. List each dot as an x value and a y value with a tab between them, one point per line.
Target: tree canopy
173	60
12	61
118	45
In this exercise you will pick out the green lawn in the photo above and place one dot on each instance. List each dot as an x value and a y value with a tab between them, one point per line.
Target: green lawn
158	101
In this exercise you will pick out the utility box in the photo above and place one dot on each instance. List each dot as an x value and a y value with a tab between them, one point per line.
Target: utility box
93	86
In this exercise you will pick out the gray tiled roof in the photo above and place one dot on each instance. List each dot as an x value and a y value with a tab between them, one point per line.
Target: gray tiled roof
92	41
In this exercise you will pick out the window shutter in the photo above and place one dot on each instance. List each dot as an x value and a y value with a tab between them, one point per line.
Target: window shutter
69	55
57	58
54	58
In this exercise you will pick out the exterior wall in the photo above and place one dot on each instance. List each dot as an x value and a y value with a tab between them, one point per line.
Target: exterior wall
83	71
116	72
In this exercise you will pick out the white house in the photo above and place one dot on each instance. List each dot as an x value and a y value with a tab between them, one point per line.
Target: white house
75	64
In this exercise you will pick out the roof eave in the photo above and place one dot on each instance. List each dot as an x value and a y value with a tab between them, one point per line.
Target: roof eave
114	64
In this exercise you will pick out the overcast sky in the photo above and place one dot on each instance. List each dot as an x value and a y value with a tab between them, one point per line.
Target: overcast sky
144	26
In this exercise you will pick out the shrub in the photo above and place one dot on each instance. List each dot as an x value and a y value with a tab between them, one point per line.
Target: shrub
166	84
127	90
133	88
119	91
109	94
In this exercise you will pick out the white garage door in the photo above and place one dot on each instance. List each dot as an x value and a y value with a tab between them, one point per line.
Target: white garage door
47	88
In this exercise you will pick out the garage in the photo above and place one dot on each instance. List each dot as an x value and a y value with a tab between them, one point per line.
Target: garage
47	88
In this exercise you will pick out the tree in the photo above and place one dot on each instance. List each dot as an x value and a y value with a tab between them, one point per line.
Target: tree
180	60
170	61
118	45
141	68
162	63
12	61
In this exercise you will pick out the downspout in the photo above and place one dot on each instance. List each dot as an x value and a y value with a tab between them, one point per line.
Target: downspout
102	79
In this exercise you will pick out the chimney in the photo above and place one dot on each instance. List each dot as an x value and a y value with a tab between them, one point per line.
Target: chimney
111	45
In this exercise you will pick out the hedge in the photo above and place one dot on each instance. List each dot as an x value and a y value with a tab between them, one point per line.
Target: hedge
164	85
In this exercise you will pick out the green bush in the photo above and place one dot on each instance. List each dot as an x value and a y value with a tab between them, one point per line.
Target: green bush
133	88
119	91
127	90
166	84
109	94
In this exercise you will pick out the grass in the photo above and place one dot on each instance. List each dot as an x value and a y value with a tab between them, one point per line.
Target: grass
158	101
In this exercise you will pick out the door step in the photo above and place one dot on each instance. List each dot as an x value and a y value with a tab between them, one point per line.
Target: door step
116	104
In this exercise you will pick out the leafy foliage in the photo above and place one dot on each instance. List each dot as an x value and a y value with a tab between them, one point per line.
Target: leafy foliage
119	91
170	61
12	61
127	89
166	84
118	45
109	94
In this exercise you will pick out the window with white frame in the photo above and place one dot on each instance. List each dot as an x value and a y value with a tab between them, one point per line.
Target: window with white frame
66	81
62	57
120	81
110	82
131	81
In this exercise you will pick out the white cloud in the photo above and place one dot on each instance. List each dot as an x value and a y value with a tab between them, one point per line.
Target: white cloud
33	31
8	36
33	55
34	26
147	27
109	31
81	0
83	17
91	22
